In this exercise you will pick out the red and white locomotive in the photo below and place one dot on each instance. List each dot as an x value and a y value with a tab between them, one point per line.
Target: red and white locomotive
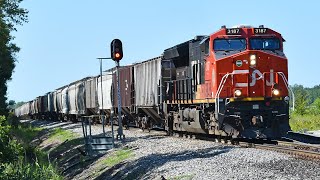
232	83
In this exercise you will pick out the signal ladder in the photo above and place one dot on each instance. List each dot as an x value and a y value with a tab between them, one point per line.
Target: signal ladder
95	144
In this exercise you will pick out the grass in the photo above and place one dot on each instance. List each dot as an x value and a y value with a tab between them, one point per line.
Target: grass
183	177
61	135
305	122
117	157
30	162
26	133
23	170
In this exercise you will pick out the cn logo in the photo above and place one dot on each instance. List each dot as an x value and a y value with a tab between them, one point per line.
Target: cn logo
256	76
271	78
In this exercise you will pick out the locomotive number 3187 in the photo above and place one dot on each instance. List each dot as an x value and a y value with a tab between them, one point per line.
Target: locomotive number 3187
260	30
233	31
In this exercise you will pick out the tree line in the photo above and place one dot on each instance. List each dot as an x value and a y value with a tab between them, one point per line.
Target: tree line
307	100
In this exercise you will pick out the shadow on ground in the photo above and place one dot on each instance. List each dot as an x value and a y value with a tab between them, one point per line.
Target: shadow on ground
141	167
71	160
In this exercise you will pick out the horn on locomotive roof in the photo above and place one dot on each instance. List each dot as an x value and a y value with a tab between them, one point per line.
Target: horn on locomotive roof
242	26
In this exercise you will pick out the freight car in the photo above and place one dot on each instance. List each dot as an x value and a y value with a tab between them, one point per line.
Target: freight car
232	83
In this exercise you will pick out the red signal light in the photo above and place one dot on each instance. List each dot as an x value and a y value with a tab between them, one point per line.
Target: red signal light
116	50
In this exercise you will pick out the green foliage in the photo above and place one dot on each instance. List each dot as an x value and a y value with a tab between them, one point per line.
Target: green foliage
117	157
25	171
313	93
10	149
306	99
13	120
301	99
305	122
13	105
26	133
10	15
61	135
183	177
307	108
11	102
314	108
21	160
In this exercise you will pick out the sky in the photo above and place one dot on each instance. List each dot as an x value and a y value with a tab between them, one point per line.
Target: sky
63	38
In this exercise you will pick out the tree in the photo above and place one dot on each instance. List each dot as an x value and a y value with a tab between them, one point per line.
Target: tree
10	16
313	93
11	105
301	99
315	107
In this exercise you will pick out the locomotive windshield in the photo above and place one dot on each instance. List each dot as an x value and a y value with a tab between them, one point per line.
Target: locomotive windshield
264	44
229	44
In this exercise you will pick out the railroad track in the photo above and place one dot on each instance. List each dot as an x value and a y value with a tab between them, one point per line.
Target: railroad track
302	137
298	150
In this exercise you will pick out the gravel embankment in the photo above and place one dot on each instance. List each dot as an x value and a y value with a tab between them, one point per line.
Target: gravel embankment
156	155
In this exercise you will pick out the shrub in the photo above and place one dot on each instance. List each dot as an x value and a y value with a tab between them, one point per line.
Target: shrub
10	148
13	120
22	162
25	171
306	122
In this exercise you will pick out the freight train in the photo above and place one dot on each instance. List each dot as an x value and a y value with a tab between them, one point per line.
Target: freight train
232	83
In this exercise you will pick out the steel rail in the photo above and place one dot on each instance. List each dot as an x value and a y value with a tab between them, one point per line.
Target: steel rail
305	154
297	150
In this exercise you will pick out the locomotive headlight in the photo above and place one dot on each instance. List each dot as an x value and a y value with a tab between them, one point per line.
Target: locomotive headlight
237	92
253	60
276	92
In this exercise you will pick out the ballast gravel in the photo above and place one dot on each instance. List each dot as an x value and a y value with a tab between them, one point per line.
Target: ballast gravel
157	156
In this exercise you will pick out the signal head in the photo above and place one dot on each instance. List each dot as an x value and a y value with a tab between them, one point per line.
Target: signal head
116	50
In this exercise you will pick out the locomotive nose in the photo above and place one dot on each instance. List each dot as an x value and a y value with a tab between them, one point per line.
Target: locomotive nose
255	75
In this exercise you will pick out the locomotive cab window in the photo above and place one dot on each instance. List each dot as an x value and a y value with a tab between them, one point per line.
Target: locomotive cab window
229	44
264	44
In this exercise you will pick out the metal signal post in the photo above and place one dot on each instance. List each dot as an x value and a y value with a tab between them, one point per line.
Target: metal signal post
120	134
117	55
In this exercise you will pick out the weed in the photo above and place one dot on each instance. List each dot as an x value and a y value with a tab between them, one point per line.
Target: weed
113	159
117	157
305	122
24	170
61	135
18	158
183	177
26	134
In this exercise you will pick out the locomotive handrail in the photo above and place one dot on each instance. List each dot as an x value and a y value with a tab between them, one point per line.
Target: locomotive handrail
221	85
286	84
217	104
288	87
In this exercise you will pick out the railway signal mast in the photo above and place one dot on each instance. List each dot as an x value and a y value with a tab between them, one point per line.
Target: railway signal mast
116	55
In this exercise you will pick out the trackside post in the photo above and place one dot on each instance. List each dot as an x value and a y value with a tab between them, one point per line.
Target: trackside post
117	55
